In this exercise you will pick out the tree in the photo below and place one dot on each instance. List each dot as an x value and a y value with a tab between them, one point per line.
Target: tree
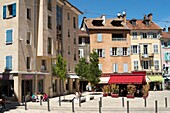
82	68
60	69
95	72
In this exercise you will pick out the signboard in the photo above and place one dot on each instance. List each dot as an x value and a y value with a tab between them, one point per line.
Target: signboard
28	76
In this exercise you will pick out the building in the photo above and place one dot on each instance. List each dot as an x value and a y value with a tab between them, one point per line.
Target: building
145	49
165	53
129	50
31	43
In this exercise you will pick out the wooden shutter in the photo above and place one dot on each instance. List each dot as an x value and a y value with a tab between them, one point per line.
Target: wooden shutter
4	12
14	9
111	53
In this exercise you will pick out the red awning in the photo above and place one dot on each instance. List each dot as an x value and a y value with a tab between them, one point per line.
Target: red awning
124	79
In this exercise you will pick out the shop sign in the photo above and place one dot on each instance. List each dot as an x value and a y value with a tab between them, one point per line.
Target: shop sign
41	76
28	76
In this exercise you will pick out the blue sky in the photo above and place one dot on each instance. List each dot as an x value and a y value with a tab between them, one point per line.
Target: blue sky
134	9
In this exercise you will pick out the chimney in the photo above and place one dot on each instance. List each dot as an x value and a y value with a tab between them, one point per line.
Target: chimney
168	29
124	16
118	15
144	18
150	16
104	19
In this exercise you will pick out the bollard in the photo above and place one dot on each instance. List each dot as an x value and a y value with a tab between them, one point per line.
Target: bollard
25	103
40	102
100	107
48	102
73	105
23	100
166	104
156	106
123	102
145	102
59	101
127	106
101	101
79	101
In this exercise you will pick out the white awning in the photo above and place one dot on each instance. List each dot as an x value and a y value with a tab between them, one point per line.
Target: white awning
72	76
104	80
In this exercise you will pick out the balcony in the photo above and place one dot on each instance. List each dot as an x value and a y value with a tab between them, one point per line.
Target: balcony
146	56
119	39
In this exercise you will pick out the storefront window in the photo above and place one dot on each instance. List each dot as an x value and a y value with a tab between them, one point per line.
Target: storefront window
40	86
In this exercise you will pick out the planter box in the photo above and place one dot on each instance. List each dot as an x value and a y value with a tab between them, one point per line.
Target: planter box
115	95
105	94
130	96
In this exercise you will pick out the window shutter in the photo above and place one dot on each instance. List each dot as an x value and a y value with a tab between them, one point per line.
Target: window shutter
100	66
162	43
131	49
7	62
103	52
120	51
9	36
125	67
138	48
116	67
4	12
158	35
113	67
99	37
142	64
10	62
111	53
141	35
165	56
128	51
168	43
14	10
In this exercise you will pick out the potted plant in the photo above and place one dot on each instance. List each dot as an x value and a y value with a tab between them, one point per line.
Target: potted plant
145	90
104	89
114	90
131	90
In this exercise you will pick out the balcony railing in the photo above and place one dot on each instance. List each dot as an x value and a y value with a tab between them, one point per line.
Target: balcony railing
142	55
119	39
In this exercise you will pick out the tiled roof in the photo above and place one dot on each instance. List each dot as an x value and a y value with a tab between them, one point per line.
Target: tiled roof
107	24
83	33
165	35
140	25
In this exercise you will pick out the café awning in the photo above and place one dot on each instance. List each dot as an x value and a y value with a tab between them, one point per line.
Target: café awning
127	79
155	78
72	76
104	80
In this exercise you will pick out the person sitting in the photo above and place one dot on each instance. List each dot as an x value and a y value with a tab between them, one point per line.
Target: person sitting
34	97
45	97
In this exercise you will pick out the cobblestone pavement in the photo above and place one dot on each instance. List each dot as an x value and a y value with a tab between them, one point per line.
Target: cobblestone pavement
109	105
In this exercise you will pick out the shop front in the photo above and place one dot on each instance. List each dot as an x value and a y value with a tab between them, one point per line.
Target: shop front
72	84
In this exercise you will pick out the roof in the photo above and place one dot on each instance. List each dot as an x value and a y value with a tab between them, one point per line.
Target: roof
165	35
128	26
83	33
141	26
107	24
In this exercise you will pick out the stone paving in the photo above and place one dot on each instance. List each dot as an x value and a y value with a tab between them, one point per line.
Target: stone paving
109	105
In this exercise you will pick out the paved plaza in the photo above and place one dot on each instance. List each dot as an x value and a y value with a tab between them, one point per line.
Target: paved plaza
109	105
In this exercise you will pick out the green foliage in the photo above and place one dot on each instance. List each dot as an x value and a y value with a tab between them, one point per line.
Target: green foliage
60	68
95	72
82	68
114	89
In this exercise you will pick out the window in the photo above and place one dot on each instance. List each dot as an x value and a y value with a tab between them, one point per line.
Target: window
68	16
43	65
144	35
28	62
74	84
156	64
28	41
8	62
101	52
135	65
74	37
165	44
9	11
68	32
49	5
81	53
125	67
154	35
49	22
134	23
134	49
68	49
74	22
134	34
49	46
145	64
9	36
75	57
115	67
100	66
99	37
125	51
167	56
155	47
147	23
113	51
29	13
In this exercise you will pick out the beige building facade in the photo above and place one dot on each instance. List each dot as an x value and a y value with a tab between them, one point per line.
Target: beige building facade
29	47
